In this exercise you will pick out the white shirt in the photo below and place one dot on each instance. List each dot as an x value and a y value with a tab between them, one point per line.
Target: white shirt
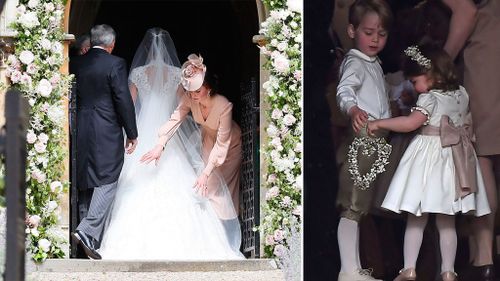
362	83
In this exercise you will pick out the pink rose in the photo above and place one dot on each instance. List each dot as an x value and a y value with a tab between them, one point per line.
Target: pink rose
33	221
31	137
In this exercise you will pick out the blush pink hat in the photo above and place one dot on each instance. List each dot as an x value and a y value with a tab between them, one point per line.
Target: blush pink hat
193	73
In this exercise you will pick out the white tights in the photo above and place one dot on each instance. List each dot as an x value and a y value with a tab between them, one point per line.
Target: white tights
447	240
348	238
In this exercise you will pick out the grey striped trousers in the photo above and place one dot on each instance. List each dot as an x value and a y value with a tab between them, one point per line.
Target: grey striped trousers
100	207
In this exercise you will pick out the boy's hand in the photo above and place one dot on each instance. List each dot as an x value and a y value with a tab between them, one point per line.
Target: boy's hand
358	118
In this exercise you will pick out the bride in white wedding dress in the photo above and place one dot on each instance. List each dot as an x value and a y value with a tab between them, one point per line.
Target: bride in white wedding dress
157	214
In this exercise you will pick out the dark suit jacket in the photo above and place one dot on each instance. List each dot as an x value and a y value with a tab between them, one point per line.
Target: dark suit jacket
104	107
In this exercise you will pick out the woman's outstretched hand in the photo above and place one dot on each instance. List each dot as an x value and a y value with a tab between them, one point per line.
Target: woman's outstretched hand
372	128
153	154
201	184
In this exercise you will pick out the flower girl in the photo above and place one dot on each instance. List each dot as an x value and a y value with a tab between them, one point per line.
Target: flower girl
438	173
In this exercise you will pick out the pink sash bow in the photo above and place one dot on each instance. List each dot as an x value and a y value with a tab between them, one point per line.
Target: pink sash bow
460	140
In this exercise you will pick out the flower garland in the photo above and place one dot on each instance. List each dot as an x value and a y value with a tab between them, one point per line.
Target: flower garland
369	146
283	34
34	69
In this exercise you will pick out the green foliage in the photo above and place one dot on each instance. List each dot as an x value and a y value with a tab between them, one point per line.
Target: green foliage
34	69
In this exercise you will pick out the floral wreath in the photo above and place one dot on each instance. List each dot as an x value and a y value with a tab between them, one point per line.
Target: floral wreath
414	53
369	146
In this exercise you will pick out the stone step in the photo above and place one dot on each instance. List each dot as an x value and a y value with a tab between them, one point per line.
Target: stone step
109	270
268	275
85	265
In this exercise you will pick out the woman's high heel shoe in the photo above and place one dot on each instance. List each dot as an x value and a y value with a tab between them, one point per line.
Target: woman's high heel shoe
409	274
449	276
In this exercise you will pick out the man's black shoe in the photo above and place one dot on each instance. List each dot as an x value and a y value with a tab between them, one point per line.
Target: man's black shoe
87	243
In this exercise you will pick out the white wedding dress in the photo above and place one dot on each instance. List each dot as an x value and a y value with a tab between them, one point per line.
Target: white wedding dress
157	214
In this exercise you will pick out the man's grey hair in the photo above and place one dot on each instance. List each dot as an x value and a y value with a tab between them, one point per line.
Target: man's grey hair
102	35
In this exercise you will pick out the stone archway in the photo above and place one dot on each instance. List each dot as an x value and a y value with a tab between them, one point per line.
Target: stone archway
222	32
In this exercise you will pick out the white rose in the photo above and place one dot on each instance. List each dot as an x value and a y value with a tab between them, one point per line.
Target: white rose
298	182
275	15
45	107
266	85
286	31
44	244
279	235
26	57
44	88
21	9
51	206
35	232
12	60
56	114
273	192
298	147
33	3
39	176
295	5
274	42
297	211
43	137
40	147
31	137
279	250
42	160
276	114
276	142
272	131
298	38
287	201
282	46
281	63
59	13
56	186
45	43
274	155
55	79
289	119
57	48
49	7
29	20
270	240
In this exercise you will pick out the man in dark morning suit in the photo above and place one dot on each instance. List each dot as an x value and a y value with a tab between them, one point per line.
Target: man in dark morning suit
104	109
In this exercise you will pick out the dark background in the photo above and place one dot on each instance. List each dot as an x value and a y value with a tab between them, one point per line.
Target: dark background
321	259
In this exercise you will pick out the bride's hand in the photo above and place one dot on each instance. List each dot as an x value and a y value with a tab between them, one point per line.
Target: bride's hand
201	184
153	154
